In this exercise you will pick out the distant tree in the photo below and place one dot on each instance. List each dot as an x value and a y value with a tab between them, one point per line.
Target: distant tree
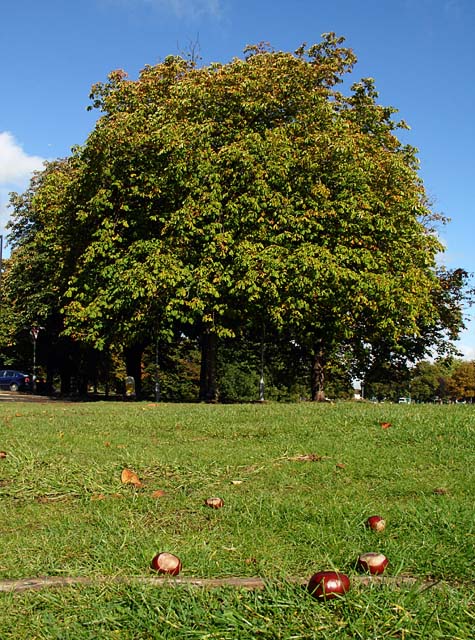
461	384
429	380
387	380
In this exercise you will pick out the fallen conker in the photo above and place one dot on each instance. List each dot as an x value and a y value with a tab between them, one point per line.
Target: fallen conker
328	584
376	523
166	563
375	563
214	503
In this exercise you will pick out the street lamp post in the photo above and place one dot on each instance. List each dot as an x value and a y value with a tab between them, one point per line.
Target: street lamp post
261	381
157	379
34	332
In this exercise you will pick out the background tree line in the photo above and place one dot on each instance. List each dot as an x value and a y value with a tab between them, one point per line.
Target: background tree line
445	380
223	212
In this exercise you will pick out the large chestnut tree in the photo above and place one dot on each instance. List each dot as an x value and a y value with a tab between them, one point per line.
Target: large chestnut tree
256	192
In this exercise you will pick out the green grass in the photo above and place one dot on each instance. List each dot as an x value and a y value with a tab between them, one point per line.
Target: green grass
64	511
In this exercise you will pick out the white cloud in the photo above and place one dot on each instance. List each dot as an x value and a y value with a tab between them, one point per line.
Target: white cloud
3	208
4	216
16	166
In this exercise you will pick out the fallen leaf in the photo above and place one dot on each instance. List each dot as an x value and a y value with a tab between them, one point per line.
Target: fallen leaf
385	425
159	493
107	444
236	481
441	491
340	465
98	496
3	454
130	477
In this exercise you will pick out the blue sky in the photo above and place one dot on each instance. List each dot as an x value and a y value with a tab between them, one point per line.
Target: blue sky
420	52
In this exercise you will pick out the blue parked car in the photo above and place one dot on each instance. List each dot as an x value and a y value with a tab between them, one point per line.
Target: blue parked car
14	380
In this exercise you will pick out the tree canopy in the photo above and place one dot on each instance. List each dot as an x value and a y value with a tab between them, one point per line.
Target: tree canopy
249	194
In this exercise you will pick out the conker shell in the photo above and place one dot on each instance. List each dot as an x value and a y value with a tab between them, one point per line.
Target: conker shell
376	523
373	562
165	562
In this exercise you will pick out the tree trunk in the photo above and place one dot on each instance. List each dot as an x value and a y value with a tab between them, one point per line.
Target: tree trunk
208	375
82	384
317	375
49	379
65	373
133	365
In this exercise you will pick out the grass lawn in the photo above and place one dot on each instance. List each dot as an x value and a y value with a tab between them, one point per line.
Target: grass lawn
298	482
